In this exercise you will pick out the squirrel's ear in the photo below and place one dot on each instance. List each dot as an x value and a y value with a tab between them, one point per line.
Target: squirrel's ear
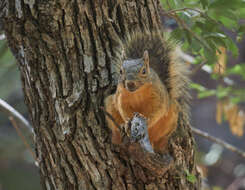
146	58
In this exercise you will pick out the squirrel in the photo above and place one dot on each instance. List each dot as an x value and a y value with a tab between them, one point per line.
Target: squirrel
151	82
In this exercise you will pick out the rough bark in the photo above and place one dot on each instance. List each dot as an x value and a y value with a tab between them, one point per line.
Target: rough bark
67	51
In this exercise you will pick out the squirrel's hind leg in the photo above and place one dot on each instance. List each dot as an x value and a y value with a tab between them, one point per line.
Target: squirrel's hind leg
163	128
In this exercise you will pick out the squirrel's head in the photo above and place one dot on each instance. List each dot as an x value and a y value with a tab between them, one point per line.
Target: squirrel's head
135	72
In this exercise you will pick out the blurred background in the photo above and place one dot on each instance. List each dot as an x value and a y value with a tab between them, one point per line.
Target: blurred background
17	169
221	168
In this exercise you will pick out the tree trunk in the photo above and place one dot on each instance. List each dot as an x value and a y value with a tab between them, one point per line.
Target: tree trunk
67	51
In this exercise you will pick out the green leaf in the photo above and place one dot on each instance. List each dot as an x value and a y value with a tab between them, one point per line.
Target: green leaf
238	69
202	91
177	34
209	25
229	13
226	4
241	13
223	92
206	93
204	3
172	3
211	57
214	34
240	33
232	47
188	36
197	87
217	39
241	28
217	188
236	100
198	60
190	177
228	22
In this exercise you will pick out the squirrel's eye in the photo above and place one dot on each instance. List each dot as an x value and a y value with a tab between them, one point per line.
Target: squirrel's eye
144	71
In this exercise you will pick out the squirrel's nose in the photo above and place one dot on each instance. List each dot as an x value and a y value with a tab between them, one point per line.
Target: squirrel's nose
130	86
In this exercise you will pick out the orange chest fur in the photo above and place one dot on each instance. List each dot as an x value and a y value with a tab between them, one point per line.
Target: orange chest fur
142	101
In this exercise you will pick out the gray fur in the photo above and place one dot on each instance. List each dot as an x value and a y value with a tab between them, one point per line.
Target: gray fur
131	67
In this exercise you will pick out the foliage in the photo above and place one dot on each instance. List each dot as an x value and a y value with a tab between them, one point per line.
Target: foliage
190	177
204	26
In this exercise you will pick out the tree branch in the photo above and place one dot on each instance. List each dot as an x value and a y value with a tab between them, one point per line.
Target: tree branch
22	137
218	141
10	111
197	68
183	9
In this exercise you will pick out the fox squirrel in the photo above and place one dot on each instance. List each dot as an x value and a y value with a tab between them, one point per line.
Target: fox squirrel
152	83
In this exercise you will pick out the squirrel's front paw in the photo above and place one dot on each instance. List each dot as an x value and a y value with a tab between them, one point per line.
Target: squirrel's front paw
139	132
138	127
